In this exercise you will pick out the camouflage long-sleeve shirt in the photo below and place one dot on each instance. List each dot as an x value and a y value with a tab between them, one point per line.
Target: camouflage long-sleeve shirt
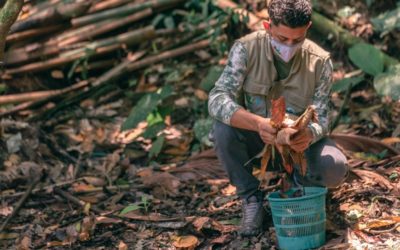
223	98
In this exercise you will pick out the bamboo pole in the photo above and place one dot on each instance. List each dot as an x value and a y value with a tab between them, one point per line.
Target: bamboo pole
51	15
168	54
106	27
35	51
122	11
108	4
34	102
98	47
24	35
128	65
37	95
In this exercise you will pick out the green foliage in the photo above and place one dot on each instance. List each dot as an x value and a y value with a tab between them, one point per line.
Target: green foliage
152	131
132	207
346	11
157	146
3	88
367	57
212	76
345	83
201	129
369	2
145	106
388	83
387	21
144	203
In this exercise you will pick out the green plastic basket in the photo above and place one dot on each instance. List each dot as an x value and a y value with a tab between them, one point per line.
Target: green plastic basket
299	222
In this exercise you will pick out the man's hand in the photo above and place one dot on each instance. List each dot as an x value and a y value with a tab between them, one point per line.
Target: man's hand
266	131
298	140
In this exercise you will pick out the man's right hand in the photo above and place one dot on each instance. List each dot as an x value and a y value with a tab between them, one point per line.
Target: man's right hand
266	131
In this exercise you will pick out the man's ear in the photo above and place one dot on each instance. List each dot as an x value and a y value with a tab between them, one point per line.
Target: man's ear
267	25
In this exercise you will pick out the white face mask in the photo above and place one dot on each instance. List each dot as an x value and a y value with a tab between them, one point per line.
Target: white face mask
285	52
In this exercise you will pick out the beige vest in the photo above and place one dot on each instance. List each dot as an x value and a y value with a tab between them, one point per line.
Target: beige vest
262	78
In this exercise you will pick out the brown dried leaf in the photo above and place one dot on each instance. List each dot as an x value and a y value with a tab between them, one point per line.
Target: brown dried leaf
87	228
95	181
377	178
391	140
187	242
264	163
201	94
278	111
166	181
107	220
156	217
375	224
25	243
122	246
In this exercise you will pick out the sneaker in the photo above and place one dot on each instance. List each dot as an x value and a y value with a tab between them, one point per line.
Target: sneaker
253	217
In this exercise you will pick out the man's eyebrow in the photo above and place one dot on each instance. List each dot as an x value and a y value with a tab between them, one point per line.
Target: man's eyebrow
282	37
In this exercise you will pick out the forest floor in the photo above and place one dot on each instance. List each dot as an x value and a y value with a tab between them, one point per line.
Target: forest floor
72	179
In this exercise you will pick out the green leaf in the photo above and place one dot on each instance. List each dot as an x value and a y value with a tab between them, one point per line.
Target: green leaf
387	21
343	85
152	131
388	84
367	57
201	128
157	19
153	118
142	109
369	2
383	154
3	88
346	11
78	227
169	22
212	76
130	208
165	91
147	104
156	147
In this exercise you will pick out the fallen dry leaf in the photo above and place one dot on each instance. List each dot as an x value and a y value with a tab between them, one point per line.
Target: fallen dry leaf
156	217
122	246
377	178
169	183
391	140
88	225
375	224
187	242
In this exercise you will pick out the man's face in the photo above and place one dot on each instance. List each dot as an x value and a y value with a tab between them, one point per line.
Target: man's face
287	35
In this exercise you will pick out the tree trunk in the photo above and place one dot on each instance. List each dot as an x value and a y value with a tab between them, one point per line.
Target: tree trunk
8	15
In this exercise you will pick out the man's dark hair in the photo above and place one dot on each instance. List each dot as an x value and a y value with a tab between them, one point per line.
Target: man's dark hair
291	13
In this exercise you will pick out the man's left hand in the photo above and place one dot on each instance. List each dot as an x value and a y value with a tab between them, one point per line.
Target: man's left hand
298	140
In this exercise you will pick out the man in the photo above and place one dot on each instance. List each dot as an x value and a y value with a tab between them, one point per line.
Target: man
262	66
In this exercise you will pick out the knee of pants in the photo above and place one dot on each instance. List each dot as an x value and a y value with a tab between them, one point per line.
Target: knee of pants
336	173
223	134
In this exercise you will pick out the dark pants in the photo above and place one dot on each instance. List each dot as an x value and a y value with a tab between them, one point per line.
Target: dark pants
326	164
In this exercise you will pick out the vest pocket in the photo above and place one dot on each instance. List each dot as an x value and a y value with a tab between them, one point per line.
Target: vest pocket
256	88
298	102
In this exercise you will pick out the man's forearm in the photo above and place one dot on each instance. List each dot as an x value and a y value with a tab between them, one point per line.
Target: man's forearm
245	120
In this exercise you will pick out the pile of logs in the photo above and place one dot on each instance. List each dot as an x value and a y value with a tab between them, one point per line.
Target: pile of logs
63	38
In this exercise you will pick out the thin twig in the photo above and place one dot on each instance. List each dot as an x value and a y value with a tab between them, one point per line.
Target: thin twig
21	202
